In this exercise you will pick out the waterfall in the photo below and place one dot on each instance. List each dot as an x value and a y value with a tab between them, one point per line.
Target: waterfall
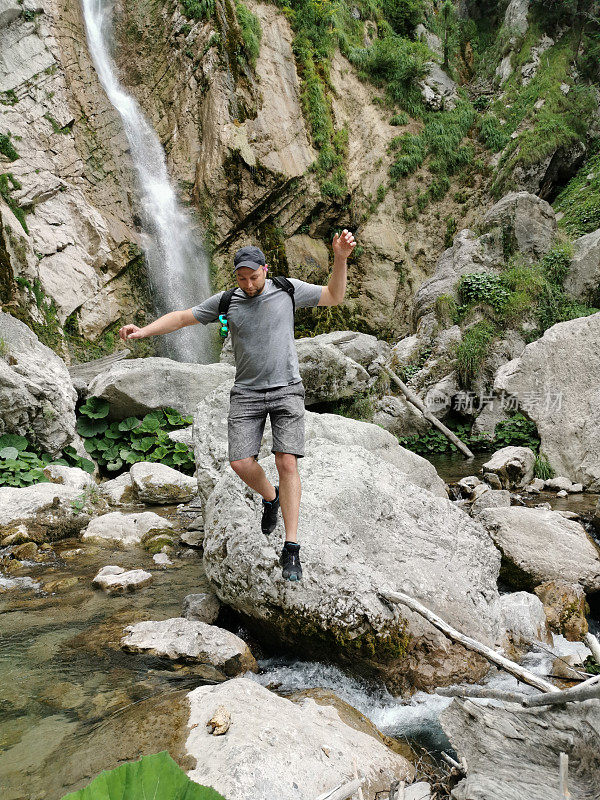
177	262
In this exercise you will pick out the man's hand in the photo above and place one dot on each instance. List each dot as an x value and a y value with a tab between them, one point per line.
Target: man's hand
344	244
130	332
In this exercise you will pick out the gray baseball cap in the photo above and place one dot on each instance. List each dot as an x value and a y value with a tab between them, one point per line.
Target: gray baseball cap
249	256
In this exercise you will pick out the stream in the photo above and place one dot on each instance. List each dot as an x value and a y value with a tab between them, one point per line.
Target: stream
73	703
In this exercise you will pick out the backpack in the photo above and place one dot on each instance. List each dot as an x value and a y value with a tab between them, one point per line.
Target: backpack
280	281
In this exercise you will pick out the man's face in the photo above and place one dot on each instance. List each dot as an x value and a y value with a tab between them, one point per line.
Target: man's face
250	281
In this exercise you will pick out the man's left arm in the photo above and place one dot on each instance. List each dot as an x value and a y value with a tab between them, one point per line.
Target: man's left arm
333	293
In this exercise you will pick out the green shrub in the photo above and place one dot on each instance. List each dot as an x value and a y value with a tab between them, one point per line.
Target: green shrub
400	119
22	465
251	31
472	351
482	287
6	147
492	134
198	9
118	444
542	468
518	431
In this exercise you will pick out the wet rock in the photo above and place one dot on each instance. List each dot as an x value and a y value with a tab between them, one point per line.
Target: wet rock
116	580
512	465
203	607
555	380
327	374
363	526
119	490
161	485
565	608
184	640
125	529
492	479
276	748
37	398
540	545
525	621
43	510
140	385
508	747
558	483
493	498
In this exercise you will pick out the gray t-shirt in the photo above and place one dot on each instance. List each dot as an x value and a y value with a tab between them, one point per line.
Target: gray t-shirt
262	332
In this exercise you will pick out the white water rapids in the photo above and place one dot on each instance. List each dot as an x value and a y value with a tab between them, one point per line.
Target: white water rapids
177	262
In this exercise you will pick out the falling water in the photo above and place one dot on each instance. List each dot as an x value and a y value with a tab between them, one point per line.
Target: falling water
176	258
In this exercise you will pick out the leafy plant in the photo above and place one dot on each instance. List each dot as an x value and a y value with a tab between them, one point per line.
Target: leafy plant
481	287
472	350
155	776
124	442
518	431
542	468
22	466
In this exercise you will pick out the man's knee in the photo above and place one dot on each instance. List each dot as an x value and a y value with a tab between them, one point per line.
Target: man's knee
242	465
286	462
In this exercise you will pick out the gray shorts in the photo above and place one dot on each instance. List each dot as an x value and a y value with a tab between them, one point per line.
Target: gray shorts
248	409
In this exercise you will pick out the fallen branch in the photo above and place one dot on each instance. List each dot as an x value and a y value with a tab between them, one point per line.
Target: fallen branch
471	644
588	692
481	692
343	791
585	691
563	774
418	403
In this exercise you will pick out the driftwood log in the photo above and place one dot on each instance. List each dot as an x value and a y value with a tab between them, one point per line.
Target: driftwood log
471	644
431	418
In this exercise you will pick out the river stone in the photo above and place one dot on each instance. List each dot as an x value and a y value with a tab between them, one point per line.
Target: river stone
210	444
185	640
37	398
525	621
539	545
492	498
118	491
583	278
139	385
363	527
116	580
565	608
513	465
69	476
202	607
45	510
159	484
327	374
558	483
556	382
508	748
125	529
276	748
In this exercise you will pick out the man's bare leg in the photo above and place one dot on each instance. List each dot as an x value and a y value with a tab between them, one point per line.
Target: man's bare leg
290	491
251	472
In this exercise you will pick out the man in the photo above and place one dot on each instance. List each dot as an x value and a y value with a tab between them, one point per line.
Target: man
267	381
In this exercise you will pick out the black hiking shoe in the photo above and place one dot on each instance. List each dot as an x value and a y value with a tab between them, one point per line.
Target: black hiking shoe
290	561
270	511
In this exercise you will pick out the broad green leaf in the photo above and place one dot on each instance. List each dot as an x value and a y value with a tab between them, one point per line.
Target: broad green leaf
90	427
113	466
149	425
86	464
91	444
95	408
144	444
13	440
155	777
9	452
129	424
61	461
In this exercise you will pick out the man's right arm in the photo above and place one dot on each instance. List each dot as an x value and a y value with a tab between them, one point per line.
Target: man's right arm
208	311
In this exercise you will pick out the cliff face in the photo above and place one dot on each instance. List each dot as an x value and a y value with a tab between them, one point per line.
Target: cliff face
238	142
69	249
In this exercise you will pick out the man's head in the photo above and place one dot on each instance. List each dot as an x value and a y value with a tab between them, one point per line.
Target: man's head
250	269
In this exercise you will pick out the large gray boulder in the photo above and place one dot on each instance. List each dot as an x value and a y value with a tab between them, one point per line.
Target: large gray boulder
328	374
583	278
508	748
519	223
160	484
37	398
366	350
364	527
276	748
123	530
512	465
210	443
556	381
139	385
539	545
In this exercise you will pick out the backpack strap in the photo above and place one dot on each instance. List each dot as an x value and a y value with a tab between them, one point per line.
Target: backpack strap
225	301
287	286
